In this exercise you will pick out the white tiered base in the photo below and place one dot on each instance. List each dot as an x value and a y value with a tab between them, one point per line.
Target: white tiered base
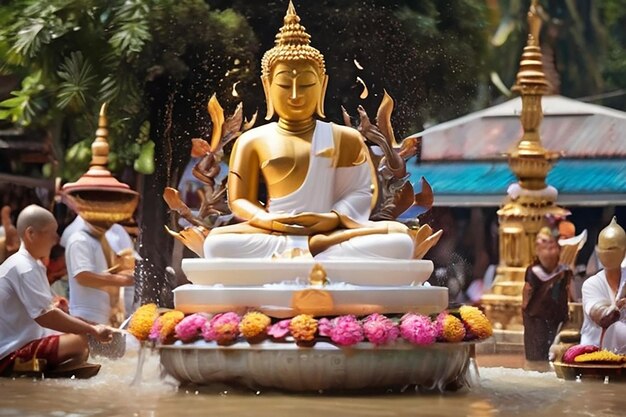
281	301
279	288
325	366
242	272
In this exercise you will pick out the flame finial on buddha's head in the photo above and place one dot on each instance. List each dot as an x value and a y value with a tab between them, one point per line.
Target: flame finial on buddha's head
292	43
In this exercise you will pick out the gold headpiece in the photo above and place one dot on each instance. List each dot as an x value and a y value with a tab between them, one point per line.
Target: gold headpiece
292	44
612	236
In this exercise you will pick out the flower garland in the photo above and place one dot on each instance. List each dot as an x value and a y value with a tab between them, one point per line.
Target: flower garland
468	323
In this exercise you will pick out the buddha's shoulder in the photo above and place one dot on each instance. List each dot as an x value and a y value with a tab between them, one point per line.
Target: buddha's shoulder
349	142
346	135
255	135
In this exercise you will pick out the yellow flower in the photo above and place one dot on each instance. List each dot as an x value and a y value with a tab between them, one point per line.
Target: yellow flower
169	321
476	322
303	328
600	356
253	324
452	329
142	321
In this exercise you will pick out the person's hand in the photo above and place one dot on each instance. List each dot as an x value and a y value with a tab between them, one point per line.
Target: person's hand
621	303
604	314
102	333
124	278
61	304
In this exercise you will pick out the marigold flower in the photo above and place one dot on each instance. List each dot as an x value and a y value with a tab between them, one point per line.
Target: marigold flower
142	320
163	327
190	328
380	330
303	328
475	322
254	324
450	328
418	329
600	356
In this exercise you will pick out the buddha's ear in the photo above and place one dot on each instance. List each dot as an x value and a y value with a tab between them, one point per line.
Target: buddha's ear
320	101
265	80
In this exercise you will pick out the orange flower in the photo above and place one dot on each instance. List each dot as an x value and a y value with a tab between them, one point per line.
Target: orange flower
476	322
254	324
169	321
303	328
142	320
452	329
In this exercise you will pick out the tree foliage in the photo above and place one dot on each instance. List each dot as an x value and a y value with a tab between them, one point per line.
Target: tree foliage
76	54
586	37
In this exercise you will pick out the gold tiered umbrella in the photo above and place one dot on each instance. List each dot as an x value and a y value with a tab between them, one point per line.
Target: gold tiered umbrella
97	196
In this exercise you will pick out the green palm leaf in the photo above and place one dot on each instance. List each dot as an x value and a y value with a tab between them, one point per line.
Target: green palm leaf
78	78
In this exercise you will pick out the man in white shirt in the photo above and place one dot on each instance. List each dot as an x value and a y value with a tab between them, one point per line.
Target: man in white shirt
87	270
29	321
604	294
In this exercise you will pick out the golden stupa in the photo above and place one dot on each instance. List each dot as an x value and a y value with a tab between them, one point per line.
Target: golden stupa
530	200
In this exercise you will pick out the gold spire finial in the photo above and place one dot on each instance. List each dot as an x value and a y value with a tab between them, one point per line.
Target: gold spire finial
612	236
292	43
100	146
530	77
530	161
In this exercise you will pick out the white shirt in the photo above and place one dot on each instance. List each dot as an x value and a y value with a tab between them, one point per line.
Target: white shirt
24	295
596	289
84	253
117	236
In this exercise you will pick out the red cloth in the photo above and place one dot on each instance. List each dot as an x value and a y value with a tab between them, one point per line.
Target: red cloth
46	348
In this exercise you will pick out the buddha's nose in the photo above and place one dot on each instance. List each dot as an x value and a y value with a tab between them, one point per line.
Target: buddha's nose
294	90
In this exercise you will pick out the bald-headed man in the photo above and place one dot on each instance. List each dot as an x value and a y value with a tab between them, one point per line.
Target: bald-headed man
31	327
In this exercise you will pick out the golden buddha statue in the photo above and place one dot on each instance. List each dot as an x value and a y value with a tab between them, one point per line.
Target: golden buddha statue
318	175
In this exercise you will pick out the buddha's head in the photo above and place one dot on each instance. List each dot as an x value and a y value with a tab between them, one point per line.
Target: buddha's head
293	73
611	247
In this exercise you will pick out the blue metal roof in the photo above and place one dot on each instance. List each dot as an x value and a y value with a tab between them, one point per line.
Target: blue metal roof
579	181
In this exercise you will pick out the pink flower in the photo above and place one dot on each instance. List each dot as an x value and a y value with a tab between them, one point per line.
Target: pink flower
438	323
280	329
223	328
346	330
190	327
155	330
379	329
418	329
324	326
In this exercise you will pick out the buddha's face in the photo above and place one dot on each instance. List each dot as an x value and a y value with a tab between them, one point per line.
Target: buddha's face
295	90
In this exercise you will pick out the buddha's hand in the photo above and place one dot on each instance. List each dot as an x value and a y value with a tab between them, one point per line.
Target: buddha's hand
279	222
316	222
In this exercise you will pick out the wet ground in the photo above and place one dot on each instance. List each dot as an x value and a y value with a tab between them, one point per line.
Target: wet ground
502	387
